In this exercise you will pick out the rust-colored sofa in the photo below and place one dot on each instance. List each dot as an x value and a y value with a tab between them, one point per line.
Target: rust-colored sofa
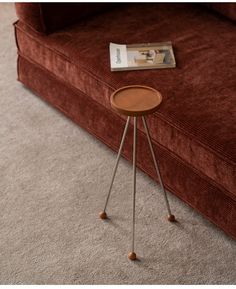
63	57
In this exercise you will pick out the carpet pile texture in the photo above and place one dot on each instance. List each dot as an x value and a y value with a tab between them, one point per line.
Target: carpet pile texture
53	181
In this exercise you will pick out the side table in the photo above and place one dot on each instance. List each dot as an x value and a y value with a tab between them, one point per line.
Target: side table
136	101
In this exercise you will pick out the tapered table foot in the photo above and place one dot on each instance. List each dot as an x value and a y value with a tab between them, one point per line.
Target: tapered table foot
132	256
171	218
103	215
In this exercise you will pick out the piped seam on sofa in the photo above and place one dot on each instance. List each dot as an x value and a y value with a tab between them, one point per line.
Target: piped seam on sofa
226	158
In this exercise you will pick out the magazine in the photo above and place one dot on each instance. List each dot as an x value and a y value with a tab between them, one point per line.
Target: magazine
141	56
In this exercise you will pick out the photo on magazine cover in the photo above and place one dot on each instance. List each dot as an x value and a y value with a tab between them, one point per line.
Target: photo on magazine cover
146	57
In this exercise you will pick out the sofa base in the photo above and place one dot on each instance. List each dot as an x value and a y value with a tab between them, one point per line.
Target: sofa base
186	183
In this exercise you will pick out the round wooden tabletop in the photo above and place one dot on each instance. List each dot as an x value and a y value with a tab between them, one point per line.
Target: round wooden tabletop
136	100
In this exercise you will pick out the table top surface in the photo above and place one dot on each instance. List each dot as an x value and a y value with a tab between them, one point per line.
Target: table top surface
136	100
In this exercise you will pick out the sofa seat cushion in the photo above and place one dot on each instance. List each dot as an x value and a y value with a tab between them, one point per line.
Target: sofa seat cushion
196	120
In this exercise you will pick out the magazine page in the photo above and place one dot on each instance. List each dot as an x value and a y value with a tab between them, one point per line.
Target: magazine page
141	56
147	55
118	56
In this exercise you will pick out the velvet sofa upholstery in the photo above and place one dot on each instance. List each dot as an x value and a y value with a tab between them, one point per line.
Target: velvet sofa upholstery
226	9
48	17
194	129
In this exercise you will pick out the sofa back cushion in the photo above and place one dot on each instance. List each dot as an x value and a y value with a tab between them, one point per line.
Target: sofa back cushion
49	17
227	9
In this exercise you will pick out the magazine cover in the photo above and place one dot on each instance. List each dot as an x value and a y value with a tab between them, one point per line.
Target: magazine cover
141	56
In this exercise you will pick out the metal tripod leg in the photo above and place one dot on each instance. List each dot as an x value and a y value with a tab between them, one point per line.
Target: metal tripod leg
103	214
171	217
132	255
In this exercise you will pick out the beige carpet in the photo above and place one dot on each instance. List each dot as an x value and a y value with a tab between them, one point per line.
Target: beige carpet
53	181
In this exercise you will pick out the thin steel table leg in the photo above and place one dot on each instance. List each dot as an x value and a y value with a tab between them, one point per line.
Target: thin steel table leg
132	255
103	214
171	217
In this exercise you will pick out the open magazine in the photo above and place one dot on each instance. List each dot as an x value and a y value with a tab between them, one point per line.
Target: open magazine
141	56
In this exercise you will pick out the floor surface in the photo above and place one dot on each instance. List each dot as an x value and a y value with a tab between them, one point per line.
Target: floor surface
53	182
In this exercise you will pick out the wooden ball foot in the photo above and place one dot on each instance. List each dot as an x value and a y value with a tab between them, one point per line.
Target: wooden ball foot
171	218
132	256
103	215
